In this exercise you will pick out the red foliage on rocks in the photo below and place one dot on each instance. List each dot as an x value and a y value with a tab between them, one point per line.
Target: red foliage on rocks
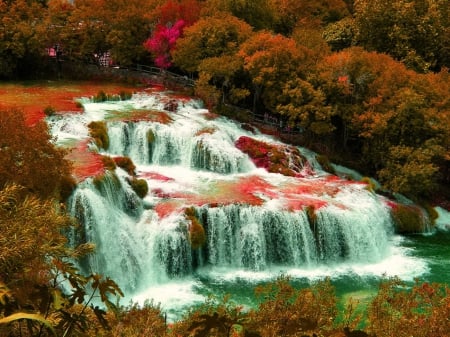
283	159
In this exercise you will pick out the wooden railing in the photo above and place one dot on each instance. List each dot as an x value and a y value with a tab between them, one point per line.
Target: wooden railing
164	74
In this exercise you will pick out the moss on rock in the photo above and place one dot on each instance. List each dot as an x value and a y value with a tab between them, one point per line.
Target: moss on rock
197	235
408	219
99	133
140	186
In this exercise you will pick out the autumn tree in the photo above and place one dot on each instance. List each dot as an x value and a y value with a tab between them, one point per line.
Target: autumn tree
414	32
209	48
35	262
174	18
21	47
130	22
386	112
30	159
270	61
290	14
85	35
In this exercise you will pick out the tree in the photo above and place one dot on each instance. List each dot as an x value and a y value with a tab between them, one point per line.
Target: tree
35	261
173	20
272	60
163	41
410	171
305	106
30	159
84	37
414	32
210	37
129	27
290	14
21	47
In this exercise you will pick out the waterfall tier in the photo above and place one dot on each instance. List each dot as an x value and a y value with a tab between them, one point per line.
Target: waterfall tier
251	219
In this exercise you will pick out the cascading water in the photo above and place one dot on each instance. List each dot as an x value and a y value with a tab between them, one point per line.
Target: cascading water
254	221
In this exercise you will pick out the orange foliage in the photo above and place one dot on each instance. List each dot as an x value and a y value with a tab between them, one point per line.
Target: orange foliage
28	157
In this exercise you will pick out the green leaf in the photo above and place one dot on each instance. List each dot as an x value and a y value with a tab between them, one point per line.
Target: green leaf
22	315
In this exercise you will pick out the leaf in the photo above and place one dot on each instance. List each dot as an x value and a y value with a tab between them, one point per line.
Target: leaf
58	299
109	286
22	315
100	314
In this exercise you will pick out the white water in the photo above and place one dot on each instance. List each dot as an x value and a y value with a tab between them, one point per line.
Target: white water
149	255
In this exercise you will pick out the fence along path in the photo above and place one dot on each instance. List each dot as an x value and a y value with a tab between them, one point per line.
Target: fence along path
164	74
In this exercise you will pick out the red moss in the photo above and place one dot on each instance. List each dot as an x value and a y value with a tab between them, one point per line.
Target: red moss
85	162
283	159
155	176
34	98
166	208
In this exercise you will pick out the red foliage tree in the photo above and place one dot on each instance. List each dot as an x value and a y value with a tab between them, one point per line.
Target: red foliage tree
163	41
174	17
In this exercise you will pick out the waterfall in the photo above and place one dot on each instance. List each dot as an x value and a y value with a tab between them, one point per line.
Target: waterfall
159	144
253	220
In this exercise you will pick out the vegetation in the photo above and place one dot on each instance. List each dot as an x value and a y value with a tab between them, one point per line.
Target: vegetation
99	133
139	186
351	78
346	74
29	158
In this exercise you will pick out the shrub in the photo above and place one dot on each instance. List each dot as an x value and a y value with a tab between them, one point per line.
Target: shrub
108	163
150	137
325	163
140	186
197	236
125	95
286	311
127	164
371	186
100	97
420	311
408	218
136	321
99	133
49	111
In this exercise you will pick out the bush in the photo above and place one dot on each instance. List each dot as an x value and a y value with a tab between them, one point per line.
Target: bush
197	236
108	163
100	97
127	164
125	95
49	111
408	219
140	186
325	163
99	133
134	321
